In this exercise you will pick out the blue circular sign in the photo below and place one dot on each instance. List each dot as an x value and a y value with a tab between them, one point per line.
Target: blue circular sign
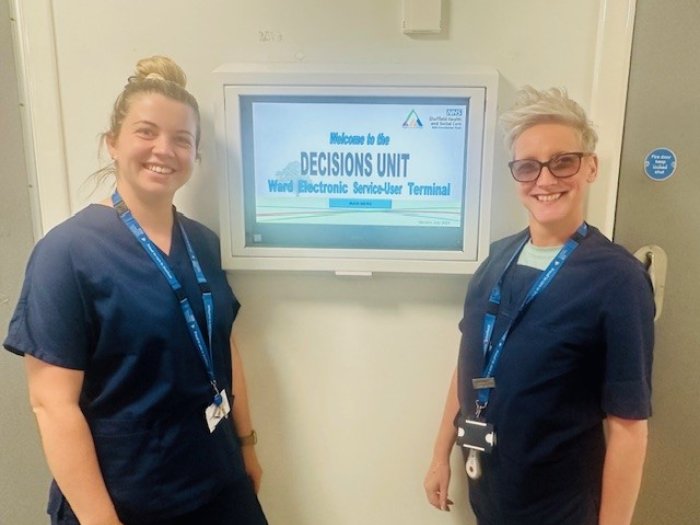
660	164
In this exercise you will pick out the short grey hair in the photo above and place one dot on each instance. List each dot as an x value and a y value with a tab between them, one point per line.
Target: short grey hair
552	105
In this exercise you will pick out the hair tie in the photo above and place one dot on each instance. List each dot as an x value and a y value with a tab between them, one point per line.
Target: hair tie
150	76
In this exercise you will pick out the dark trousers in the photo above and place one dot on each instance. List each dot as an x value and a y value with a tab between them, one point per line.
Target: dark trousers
236	504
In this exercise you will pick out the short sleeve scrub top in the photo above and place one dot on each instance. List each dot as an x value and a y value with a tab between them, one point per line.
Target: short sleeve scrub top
93	300
581	350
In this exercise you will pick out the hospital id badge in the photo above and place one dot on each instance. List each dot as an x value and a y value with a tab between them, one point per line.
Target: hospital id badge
215	413
476	434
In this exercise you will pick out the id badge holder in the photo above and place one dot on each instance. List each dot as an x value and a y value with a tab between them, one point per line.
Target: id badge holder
476	434
479	437
214	413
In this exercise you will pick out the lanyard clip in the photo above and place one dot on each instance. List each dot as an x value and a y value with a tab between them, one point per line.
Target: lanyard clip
217	395
479	408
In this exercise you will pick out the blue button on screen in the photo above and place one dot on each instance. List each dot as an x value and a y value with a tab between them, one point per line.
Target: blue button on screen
373	204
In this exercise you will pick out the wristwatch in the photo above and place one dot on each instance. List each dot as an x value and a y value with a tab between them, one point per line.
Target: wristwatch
250	439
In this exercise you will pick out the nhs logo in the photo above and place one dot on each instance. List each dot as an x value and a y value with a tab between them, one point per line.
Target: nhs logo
454	112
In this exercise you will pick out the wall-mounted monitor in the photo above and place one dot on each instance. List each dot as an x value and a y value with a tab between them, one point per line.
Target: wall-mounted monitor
355	172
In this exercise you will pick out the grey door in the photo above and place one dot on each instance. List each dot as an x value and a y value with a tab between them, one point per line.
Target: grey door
663	110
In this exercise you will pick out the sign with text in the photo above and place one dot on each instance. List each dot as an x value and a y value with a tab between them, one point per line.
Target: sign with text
343	161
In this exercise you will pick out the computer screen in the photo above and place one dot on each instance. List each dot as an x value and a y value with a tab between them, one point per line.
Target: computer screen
353	176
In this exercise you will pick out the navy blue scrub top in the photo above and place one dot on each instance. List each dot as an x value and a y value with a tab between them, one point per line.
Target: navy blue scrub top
582	350
93	300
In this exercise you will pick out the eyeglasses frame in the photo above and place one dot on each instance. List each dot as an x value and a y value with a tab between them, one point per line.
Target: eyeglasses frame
579	154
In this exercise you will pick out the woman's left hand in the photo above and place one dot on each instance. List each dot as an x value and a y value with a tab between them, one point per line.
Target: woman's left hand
252	466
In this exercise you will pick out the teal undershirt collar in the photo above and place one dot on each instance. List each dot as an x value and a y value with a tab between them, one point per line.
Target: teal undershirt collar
537	256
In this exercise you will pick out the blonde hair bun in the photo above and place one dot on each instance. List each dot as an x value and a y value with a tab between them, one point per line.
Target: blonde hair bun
160	68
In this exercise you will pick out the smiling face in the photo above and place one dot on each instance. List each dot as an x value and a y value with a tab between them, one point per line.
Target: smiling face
555	205
155	148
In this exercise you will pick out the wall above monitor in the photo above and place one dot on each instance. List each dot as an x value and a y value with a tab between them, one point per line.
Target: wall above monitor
354	170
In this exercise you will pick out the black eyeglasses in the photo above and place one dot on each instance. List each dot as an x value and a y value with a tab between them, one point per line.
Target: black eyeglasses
561	166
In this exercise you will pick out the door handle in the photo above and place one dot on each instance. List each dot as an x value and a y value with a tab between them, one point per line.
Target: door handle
655	261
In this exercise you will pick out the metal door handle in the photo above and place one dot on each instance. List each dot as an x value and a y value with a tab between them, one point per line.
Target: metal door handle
655	260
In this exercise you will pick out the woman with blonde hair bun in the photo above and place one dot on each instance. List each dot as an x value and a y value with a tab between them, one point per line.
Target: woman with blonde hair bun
125	324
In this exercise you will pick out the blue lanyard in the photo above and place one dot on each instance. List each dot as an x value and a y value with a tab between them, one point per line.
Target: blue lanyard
205	351
544	279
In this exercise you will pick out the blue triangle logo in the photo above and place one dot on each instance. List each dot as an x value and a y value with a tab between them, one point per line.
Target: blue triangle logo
412	121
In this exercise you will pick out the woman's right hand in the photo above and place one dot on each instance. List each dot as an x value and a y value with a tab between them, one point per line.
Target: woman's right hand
436	484
437	480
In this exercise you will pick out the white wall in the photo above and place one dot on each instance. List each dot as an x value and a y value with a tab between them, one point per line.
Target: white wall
24	478
347	376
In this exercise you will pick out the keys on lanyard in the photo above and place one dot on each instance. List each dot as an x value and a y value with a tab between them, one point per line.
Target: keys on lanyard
220	400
